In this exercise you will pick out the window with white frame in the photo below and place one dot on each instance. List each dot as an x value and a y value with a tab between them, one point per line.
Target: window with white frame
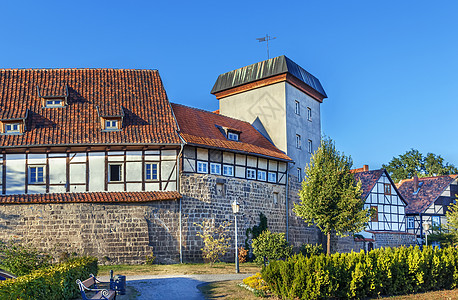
250	173
309	146
54	103
36	174
297	108
114	172
111	124
436	221
232	136
298	141
299	174
228	170
272	177
215	168
12	128
262	175
309	114
202	167
151	171
410	222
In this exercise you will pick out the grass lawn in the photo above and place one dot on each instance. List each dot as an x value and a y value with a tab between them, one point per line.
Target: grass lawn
438	295
178	269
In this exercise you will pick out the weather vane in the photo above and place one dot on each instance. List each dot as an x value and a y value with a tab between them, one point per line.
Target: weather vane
267	38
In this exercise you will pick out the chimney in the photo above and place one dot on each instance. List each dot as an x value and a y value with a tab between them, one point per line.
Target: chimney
365	168
415	183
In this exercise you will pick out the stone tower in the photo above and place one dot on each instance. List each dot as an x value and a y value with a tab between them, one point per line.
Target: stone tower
281	100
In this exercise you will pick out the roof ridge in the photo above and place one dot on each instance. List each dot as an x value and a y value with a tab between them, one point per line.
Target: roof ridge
210	112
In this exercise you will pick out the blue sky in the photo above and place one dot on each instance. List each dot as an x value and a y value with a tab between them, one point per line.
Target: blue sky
388	67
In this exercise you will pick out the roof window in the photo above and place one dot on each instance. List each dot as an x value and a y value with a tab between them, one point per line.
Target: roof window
232	136
111	118
55	95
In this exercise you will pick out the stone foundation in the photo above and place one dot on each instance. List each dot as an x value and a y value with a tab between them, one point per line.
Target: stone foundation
379	239
115	233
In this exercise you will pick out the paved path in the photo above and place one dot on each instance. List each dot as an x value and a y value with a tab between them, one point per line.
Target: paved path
174	287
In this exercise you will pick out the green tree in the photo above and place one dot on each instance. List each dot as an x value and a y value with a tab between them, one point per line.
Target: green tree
413	163
330	197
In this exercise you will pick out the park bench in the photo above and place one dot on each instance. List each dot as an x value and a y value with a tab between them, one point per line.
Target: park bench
105	294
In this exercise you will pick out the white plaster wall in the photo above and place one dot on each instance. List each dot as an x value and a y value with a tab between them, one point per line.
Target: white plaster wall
57	170
298	124
78	173
266	103
15	173
96	171
134	171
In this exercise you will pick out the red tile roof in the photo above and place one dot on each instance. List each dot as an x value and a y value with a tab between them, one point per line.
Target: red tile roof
368	180
199	127
138	94
429	191
93	197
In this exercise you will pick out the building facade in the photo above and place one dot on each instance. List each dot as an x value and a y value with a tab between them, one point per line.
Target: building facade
428	199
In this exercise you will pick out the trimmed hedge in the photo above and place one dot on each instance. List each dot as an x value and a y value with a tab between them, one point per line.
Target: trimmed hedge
55	282
381	272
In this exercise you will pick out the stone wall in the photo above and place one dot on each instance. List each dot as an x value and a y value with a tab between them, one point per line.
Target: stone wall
386	239
115	233
298	232
209	197
379	239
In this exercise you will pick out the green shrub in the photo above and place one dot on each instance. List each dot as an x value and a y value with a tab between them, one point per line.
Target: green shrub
311	249
55	282
22	259
150	258
382	272
270	246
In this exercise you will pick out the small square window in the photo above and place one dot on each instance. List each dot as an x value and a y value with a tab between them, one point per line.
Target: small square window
298	141
387	189
202	167
36	174
232	136
262	175
435	221
151	172
310	150
272	177
114	172
297	108
309	114
251	173
215	169
228	170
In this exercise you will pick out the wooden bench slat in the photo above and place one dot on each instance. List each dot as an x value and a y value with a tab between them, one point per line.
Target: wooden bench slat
88	282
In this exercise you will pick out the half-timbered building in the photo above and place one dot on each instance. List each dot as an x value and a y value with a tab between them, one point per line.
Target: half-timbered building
428	199
387	226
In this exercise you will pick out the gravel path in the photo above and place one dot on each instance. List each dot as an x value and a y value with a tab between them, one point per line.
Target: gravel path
174	287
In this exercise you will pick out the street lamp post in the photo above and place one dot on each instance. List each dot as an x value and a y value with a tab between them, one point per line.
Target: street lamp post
235	210
426	226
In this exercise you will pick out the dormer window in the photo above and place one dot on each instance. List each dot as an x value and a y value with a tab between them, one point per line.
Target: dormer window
111	124
12	128
232	136
54	103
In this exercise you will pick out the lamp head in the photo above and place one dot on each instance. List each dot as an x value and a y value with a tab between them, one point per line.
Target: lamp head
235	207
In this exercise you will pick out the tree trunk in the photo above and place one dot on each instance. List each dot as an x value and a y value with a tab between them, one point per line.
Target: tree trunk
328	246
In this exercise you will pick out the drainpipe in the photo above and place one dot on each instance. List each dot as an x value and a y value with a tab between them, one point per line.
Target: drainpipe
179	191
287	204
